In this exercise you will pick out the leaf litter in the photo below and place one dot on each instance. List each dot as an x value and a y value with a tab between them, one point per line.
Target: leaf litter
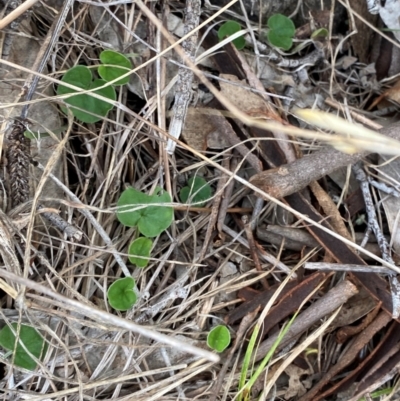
185	289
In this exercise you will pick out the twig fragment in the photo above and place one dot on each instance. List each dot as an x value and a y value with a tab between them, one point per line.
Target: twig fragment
322	307
183	91
293	177
329	267
26	5
370	208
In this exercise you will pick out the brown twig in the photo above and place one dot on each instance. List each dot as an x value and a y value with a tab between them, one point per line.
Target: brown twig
291	178
183	91
253	248
214	211
361	340
223	210
324	306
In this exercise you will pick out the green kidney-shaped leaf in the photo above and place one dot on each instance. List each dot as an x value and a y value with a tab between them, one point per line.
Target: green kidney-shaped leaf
82	77
228	29
117	65
140	247
32	340
121	295
320	33
219	338
282	42
134	208
281	31
197	191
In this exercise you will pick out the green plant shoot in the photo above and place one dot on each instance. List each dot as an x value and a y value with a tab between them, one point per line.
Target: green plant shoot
229	28
197	191
30	343
244	387
139	251
121	295
219	338
281	31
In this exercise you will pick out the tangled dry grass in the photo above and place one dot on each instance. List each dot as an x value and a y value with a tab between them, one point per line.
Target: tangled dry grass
212	259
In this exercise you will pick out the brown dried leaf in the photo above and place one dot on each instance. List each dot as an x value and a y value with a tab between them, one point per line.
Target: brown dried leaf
200	133
296	387
392	94
249	102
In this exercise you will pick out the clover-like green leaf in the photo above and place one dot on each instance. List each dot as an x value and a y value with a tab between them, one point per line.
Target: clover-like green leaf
229	28
82	77
32	340
281	31
197	191
219	338
121	295
140	247
147	212
116	65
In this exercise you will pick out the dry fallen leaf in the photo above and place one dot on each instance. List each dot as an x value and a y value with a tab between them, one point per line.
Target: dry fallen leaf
248	102
296	387
392	93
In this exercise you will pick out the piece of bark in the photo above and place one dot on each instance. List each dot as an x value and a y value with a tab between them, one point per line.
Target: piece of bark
361	340
327	304
253	248
342	253
366	368
344	333
330	209
254	300
292	300
226	198
291	234
291	178
330	267
280	241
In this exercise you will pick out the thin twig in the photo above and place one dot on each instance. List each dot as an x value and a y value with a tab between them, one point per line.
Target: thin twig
26	5
252	247
370	208
323	266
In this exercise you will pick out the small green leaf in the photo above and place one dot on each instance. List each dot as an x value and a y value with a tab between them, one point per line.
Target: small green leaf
281	31
117	65
229	28
32	341
82	77
134	208
140	247
120	294
320	33
219	338
197	191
